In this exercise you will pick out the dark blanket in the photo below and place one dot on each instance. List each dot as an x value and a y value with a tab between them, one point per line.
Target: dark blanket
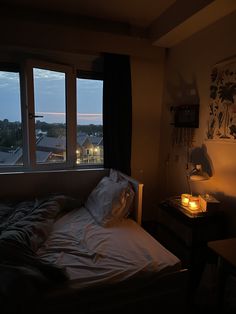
24	226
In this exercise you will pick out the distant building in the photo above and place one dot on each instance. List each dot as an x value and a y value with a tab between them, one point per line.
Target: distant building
55	145
89	150
43	157
15	157
10	158
39	133
97	150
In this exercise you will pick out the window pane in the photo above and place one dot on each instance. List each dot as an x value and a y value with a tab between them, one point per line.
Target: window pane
89	122
10	119
50	106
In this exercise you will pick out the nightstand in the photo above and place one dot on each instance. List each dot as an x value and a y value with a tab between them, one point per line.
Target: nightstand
186	235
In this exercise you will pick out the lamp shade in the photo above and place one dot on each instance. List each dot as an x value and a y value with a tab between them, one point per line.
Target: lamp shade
197	174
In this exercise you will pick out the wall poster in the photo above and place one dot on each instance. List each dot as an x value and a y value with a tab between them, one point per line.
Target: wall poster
222	106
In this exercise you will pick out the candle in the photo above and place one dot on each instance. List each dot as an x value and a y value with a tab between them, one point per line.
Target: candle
185	199
194	203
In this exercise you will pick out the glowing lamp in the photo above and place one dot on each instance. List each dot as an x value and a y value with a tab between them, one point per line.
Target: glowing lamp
194	203
185	199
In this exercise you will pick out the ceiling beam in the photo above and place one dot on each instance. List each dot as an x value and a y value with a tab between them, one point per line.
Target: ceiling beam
184	18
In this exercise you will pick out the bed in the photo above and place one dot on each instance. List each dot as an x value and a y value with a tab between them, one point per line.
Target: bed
85	252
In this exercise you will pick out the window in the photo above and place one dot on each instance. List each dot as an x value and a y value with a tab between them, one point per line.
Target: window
89	121
49	118
11	138
50	113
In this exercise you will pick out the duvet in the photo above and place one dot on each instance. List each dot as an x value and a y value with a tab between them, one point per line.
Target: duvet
54	258
24	226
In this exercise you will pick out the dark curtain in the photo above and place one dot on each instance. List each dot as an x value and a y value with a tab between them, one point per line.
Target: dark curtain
117	112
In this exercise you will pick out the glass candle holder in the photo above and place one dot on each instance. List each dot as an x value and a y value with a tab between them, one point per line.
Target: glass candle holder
185	199
194	203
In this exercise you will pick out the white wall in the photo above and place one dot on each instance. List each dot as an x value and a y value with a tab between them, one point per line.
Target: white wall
188	78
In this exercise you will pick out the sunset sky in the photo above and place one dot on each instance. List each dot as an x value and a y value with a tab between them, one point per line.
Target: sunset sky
49	88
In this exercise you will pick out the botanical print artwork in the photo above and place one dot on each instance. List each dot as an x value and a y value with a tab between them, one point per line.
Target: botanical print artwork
222	107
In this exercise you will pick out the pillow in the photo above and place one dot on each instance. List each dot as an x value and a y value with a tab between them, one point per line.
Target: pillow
108	202
115	175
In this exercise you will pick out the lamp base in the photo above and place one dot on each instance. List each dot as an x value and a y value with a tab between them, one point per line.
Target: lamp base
176	202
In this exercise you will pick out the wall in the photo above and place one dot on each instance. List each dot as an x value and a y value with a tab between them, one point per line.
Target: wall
66	42
188	70
147	85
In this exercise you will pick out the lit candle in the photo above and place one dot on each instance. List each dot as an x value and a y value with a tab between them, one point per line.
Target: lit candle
193	203
185	199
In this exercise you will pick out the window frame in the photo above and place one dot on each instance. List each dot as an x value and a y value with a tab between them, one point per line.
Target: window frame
29	108
25	69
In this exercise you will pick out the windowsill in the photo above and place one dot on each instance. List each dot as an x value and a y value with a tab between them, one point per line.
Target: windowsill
79	169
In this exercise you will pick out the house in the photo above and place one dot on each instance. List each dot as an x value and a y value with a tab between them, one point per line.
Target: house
10	157
55	145
89	149
173	46
14	157
97	148
84	147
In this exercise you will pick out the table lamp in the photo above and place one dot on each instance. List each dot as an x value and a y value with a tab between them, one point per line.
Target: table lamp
197	174
189	201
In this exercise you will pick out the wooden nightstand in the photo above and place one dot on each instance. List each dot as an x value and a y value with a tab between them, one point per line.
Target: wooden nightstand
186	235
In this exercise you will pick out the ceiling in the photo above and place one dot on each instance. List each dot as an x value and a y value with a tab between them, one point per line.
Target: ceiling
135	12
164	22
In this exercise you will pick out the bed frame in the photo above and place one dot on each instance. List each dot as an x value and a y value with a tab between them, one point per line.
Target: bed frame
162	294
165	292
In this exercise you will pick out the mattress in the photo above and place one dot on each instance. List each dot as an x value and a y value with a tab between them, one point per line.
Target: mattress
92	254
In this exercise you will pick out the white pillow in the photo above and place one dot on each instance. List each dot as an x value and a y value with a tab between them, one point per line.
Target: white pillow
116	176
107	203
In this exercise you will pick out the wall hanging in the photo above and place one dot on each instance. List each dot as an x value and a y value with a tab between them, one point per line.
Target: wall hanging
222	106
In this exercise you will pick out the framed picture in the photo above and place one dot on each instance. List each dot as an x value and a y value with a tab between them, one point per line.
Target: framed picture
222	105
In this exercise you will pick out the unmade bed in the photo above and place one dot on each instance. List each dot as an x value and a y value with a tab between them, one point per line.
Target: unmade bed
61	254
92	254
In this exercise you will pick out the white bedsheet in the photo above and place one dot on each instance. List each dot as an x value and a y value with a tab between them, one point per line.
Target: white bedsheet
93	254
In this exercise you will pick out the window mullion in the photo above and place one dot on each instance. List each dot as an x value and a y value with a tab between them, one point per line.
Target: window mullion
24	117
30	112
25	120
